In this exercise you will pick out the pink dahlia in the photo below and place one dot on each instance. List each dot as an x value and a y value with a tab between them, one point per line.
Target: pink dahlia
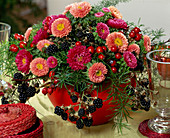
43	43
117	23
23	60
130	59
147	43
105	9
39	67
134	48
99	14
77	57
80	9
61	27
97	72
102	30
115	12
52	62
117	39
27	34
41	34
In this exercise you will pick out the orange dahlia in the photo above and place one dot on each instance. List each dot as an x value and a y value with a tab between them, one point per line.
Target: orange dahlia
115	12
117	39
39	67
80	9
43	43
147	43
61	27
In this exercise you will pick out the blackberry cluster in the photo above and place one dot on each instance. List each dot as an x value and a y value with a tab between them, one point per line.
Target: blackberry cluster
91	109
79	34
4	100
30	91
22	97
90	37
88	122
98	103
145	104
65	46
72	118
51	49
81	112
18	77
74	98
85	97
140	66
79	123
64	116
61	112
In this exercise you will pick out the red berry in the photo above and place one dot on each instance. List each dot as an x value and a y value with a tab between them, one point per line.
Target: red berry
114	69
118	56
99	49
48	18
51	74
21	37
45	27
50	90
132	34
91	49
13	48
104	48
121	32
55	81
136	30
101	56
16	36
78	43
113	63
44	91
32	45
138	37
22	44
114	48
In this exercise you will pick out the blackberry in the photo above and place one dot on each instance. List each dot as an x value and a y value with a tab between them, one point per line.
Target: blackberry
51	49
64	116
79	123
72	118
3	100
36	85
31	91
18	77
20	89
87	122
74	98
85	97
58	110
65	46
90	37
81	112
22	97
145	104
140	66
98	103
79	34
91	109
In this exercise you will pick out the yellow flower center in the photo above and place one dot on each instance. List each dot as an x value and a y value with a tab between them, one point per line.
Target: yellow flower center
118	42
60	27
79	7
46	44
80	58
103	30
99	73
39	66
23	61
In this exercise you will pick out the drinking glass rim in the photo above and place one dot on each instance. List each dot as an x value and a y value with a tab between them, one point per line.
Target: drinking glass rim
161	50
8	29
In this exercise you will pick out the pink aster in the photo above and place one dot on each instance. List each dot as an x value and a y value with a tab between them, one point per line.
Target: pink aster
115	12
117	39
61	27
117	23
102	30
52	62
80	9
23	60
134	48
67	8
77	57
39	67
105	9
27	34
147	43
99	14
41	34
130	59
97	72
43	43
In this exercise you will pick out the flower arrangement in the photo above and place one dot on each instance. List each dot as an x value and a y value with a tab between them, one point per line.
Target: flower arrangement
86	48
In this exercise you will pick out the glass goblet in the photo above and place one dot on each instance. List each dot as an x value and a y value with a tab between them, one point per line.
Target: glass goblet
159	79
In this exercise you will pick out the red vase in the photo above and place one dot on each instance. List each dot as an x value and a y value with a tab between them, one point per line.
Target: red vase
101	116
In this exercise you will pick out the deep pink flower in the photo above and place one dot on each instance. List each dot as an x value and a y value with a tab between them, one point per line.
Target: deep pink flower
147	43
99	14
105	9
41	34
134	47
97	72
77	57
52	62
117	23
102	30
23	60
130	59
